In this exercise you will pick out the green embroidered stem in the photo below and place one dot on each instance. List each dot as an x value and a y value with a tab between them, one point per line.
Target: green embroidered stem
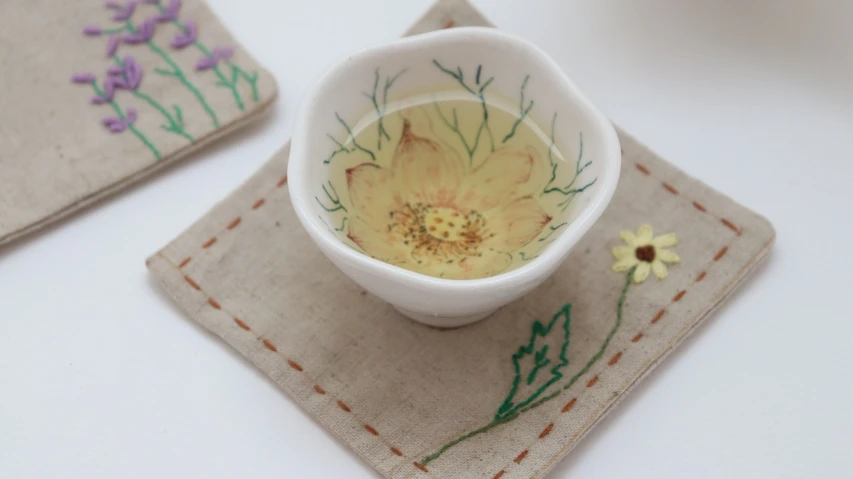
175	126
522	111
113	31
479	93
567	190
120	114
597	357
178	73
236	72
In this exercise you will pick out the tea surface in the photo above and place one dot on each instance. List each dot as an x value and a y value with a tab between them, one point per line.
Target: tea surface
443	194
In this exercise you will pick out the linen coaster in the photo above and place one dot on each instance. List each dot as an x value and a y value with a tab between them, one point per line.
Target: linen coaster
506	397
96	96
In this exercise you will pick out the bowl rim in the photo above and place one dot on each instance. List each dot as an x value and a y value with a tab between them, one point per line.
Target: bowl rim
530	272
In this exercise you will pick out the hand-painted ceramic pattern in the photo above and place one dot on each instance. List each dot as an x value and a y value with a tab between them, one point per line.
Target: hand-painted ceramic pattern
440	158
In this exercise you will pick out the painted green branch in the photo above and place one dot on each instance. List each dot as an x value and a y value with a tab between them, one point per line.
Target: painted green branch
522	111
380	111
524	257
470	149
339	230
333	198
175	125
552	230
99	92
567	190
342	148
479	92
594	359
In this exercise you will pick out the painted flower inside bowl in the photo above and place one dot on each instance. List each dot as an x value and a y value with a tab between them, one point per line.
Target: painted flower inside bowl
450	173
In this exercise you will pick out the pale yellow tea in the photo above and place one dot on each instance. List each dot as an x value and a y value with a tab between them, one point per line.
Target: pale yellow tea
447	187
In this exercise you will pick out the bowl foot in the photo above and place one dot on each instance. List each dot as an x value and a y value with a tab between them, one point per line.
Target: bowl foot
444	321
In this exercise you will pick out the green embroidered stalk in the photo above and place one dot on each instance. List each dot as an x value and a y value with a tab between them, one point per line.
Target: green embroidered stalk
508	409
189	33
176	123
127	122
178	73
568	191
236	74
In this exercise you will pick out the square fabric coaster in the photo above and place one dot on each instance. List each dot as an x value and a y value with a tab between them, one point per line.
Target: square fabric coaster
97	96
507	397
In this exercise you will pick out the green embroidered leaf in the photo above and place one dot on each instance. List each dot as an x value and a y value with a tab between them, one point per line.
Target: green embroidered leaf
529	361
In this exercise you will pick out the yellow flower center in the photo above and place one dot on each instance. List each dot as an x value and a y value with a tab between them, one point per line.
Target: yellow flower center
440	233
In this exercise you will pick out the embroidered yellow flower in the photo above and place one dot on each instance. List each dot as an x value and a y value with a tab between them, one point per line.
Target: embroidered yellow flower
645	252
430	213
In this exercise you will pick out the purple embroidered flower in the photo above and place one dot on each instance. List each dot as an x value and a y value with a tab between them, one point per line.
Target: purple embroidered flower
170	13
219	54
123	12
110	85
92	31
132	73
117	125
114	70
112	45
143	33
83	78
186	38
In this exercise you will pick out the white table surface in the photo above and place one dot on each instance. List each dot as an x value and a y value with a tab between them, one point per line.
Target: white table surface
102	377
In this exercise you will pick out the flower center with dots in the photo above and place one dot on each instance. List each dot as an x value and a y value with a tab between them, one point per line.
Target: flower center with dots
438	232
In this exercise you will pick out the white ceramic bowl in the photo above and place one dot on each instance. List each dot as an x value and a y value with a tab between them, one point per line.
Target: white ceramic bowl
460	60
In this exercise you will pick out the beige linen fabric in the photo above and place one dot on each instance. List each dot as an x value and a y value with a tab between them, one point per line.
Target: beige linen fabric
397	392
56	156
